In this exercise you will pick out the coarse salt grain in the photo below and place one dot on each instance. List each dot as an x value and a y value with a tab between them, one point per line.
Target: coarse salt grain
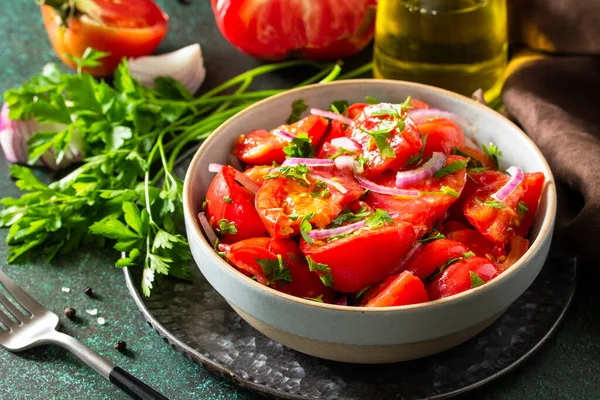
66	289
92	312
101	321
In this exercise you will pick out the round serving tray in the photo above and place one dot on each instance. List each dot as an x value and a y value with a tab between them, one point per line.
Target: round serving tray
198	322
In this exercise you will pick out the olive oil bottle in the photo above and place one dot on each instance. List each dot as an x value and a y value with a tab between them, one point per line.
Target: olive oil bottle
460	45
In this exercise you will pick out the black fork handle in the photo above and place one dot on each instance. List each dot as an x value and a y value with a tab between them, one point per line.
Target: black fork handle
135	388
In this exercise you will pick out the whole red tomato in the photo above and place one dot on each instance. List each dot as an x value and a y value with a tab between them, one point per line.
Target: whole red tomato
129	29
313	29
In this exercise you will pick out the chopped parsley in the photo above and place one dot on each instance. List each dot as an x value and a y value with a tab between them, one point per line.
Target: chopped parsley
339	106
318	299
451	261
204	204
362	291
449	191
320	190
473	165
395	110
227	199
349	217
468	254
371	100
478	169
341	152
432	236
298	107
450	168
360	167
378	218
493	152
275	270
301	146
416	159
492	204
226	227
522	208
475	280
306	227
297	173
380	137
325	276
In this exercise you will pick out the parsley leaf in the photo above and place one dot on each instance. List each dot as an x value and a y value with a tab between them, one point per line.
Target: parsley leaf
297	173
227	200
275	270
325	274
450	191
362	291
522	208
339	106
340	152
416	159
348	216
378	218
493	152
432	236
450	168
380	136
90	59
492	203
468	254
320	190
318	299
226	227
371	100
306	227
475	280
301	146
360	167
298	107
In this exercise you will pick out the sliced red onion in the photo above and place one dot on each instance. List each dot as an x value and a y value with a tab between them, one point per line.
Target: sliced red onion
345	143
421	115
214	167
331	182
240	177
344	162
331	115
208	230
407	178
401	266
324	233
372	186
284	134
184	65
310	162
516	177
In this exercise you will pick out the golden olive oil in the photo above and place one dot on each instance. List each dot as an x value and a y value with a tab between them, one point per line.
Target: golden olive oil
460	45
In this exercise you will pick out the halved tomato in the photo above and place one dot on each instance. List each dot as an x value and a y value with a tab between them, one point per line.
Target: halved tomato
499	221
365	256
283	202
432	256
429	206
475	181
368	130
443	135
396	290
461	276
228	200
259	147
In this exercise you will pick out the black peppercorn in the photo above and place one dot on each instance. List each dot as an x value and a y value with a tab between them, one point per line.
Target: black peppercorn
121	346
70	312
88	290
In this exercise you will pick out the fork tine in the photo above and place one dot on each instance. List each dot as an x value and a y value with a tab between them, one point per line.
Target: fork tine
18	314
9	323
21	296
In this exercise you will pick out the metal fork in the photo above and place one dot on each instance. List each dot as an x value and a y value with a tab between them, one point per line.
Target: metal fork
40	328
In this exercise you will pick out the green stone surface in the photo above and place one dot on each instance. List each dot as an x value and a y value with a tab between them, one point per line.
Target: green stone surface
566	368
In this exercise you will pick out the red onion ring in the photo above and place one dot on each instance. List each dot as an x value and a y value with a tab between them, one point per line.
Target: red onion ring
345	143
516	177
208	230
286	135
407	178
331	115
331	182
344	162
372	186
310	162
323	233
421	115
416	247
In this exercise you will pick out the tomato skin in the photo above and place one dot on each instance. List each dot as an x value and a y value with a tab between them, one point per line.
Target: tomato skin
240	210
478	155
362	259
259	147
128	29
257	173
457	279
279	198
354	110
518	247
451	226
418	104
475	181
425	209
396	290
433	255
272	30
443	135
326	149
478	244
500	224
243	256
405	144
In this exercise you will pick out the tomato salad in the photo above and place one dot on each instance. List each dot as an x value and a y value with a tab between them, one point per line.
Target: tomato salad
370	205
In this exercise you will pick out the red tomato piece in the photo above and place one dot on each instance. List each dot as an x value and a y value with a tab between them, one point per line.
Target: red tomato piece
354	110
478	244
281	197
243	256
478	155
404	144
418	103
272	30
452	226
432	256
259	147
396	290
364	257
326	149
475	181
429	206
124	29
457	277
499	221
226	199
443	135
258	172
518	247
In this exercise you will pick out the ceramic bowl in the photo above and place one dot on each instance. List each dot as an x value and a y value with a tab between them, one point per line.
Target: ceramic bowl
373	335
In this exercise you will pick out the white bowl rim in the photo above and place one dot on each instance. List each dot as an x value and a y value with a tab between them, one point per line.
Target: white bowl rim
545	229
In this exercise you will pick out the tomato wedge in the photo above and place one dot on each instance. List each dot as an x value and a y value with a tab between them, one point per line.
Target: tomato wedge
499	221
432	256
364	257
326	149
282	202
228	200
461	276
478	244
396	290
429	206
518	247
443	135
403	144
257	173
259	147
125	29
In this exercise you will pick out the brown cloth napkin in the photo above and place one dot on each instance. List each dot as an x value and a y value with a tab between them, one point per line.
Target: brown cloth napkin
557	102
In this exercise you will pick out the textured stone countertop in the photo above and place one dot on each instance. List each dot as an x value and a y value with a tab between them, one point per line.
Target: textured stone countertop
566	368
